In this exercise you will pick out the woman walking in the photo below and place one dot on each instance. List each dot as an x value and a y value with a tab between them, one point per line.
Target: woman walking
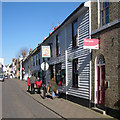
52	87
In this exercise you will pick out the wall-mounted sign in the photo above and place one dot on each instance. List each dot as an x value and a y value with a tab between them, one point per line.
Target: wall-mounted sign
90	43
46	51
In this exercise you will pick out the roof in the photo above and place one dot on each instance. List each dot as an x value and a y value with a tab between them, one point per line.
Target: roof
75	11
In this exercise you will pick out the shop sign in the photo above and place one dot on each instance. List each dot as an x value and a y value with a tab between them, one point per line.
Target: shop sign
90	43
46	52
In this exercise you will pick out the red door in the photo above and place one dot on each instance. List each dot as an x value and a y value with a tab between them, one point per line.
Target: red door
101	85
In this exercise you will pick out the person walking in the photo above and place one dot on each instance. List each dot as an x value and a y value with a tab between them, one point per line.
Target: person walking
32	82
38	84
52	87
28	84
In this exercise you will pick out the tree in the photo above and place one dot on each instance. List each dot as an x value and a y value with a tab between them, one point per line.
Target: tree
22	53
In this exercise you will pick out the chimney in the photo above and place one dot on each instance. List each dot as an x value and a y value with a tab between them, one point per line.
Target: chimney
45	38
55	27
30	51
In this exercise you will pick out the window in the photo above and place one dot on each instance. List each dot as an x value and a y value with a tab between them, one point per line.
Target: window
75	73
58	74
39	61
57	45
74	34
51	72
33	61
104	13
36	60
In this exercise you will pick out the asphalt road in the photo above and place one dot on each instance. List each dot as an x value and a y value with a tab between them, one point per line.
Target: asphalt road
17	104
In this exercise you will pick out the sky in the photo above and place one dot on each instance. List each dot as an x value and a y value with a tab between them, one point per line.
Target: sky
25	24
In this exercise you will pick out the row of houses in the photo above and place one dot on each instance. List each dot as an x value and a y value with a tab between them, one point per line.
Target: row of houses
90	77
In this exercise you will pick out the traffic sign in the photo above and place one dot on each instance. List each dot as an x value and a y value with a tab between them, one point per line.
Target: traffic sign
44	66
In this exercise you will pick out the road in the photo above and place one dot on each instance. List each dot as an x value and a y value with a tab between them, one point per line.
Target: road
17	104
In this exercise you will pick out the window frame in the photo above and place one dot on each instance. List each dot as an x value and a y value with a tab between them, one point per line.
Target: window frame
75	36
75	73
104	17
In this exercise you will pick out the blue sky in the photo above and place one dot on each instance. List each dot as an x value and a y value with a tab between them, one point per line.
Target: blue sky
25	24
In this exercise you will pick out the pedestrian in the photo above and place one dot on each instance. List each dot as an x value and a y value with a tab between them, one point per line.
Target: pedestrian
28	84
32	82
52	87
38	84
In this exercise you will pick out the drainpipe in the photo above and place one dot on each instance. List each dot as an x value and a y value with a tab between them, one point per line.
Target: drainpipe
88	4
98	13
66	64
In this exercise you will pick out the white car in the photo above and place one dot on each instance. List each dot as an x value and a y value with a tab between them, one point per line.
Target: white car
1	77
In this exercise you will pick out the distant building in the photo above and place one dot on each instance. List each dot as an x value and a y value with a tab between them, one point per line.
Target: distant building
1	65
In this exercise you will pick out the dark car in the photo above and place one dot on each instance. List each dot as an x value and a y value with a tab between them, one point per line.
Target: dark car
1	77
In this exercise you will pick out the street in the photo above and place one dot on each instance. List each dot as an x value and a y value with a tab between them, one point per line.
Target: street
17	104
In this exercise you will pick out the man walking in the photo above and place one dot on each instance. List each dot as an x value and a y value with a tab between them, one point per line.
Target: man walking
32	81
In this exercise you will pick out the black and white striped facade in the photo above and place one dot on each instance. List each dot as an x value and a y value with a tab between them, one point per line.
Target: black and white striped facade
66	51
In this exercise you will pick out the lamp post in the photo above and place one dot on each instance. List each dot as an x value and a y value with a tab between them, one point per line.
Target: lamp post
45	66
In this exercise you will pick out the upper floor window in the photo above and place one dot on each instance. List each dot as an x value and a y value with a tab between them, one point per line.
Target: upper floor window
33	61
104	13
36	59
39	61
57	45
74	34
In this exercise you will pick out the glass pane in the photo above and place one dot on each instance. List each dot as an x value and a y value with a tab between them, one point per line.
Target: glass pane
107	15
75	28
101	59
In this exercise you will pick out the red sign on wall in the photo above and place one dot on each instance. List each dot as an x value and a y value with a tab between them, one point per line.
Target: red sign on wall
90	43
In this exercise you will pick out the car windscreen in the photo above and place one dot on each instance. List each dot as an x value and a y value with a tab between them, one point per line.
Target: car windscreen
1	76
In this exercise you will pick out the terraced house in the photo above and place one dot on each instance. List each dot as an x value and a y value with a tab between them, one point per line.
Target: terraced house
89	77
106	61
69	62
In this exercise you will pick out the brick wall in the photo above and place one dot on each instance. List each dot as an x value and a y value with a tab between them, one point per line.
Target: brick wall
110	49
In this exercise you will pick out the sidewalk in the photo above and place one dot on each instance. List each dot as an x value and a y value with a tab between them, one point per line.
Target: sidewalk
65	108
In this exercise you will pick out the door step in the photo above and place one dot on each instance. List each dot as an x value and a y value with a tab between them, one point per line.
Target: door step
99	110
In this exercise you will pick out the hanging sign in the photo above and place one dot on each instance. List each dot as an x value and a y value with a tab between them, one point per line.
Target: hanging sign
90	43
46	52
44	66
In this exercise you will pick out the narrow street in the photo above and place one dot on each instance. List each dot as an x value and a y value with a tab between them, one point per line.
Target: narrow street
17	104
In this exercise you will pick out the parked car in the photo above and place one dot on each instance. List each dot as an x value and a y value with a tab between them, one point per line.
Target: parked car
11	76
1	77
6	77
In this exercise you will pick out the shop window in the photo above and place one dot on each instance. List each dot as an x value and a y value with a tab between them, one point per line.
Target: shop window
63	75
74	34
75	73
58	74
104	13
51	72
40	75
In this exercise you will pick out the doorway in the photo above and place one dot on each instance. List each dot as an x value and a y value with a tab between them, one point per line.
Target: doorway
100	80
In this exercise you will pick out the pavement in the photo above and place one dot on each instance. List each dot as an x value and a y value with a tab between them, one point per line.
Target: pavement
65	108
